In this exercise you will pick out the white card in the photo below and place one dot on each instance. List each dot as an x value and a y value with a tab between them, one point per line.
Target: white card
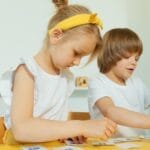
126	146
67	148
99	143
35	147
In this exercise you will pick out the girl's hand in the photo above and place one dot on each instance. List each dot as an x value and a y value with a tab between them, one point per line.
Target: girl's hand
75	140
102	129
78	139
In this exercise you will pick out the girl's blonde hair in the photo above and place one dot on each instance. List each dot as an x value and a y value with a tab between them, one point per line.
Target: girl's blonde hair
65	11
117	44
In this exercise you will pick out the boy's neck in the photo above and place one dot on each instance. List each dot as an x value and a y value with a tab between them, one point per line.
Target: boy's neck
115	78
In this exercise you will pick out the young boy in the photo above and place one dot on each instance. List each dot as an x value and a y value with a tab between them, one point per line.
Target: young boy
116	93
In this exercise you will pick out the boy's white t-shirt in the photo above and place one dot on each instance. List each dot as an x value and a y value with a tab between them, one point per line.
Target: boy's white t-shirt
50	91
133	96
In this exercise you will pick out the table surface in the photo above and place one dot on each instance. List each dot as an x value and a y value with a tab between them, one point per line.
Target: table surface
140	145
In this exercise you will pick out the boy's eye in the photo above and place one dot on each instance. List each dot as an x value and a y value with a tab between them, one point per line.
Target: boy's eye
126	57
137	58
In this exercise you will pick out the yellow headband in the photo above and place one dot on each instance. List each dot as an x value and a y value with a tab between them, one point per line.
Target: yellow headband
77	20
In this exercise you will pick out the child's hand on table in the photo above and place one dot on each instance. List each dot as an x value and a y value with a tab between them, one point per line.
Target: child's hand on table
102	129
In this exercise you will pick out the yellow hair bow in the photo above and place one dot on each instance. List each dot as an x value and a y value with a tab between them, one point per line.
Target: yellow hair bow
77	20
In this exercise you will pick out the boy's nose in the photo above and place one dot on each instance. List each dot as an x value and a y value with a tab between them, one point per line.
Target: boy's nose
134	63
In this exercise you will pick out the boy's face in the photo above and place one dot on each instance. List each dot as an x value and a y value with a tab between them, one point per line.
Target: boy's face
125	67
68	52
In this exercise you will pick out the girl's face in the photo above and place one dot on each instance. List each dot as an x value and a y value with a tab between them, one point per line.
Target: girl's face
68	52
124	68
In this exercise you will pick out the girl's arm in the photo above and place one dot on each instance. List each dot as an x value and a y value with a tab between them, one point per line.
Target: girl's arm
121	115
27	128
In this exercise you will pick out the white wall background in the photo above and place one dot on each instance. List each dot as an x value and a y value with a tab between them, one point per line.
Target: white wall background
23	26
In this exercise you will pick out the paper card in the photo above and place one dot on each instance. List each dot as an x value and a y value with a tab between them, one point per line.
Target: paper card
125	139
35	147
146	138
99	143
126	146
114	141
67	148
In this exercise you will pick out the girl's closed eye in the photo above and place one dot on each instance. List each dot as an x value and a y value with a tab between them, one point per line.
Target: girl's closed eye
76	53
81	52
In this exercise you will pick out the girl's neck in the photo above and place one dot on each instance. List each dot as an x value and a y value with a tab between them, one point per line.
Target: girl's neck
45	62
115	78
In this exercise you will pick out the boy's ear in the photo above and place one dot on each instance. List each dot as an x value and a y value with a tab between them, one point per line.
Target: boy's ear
56	35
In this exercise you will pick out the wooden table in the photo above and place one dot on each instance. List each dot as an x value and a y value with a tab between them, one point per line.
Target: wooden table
143	145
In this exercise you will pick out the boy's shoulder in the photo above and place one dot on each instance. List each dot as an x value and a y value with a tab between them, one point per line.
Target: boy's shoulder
97	79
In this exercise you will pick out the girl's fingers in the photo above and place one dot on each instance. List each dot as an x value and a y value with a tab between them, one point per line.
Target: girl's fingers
108	133
61	140
111	125
111	129
104	137
81	139
75	140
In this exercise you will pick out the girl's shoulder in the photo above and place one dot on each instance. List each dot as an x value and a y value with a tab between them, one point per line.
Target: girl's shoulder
21	61
6	79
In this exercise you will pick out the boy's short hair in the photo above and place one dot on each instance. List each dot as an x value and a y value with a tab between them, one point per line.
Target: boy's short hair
118	43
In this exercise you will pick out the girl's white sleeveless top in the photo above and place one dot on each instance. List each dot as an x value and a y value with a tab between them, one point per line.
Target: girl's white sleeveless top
50	91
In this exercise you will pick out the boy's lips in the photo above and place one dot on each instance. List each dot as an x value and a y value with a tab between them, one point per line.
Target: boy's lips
130	69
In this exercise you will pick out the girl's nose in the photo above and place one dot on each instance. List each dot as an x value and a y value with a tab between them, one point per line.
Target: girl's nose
76	62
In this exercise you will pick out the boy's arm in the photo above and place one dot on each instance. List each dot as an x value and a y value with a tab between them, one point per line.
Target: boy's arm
121	115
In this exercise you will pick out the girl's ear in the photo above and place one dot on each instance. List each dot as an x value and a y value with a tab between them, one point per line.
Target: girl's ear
56	35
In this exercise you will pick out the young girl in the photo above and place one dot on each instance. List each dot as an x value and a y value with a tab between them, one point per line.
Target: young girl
38	87
115	93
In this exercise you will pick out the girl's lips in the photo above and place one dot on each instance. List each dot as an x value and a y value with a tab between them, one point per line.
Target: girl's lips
70	65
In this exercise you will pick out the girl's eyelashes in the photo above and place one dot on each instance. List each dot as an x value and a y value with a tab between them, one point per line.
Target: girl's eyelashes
76	53
79	54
